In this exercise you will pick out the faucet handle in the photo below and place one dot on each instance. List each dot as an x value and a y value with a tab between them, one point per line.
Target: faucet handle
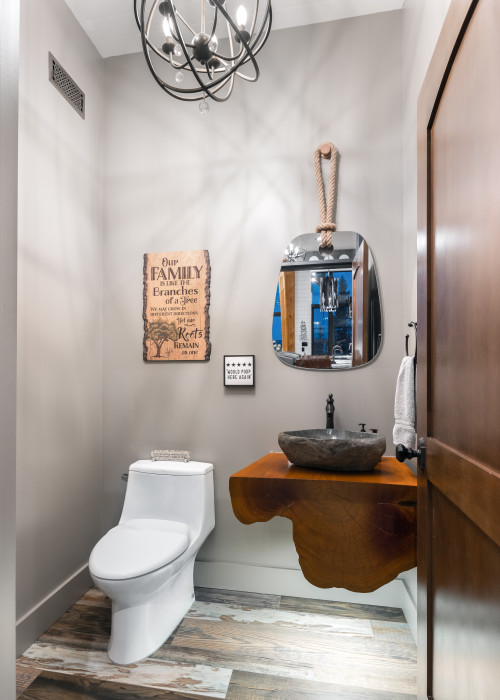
363	428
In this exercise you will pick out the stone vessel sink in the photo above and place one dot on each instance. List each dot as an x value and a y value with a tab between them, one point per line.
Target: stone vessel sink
336	450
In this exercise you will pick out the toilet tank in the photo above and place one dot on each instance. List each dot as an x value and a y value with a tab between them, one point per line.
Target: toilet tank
181	491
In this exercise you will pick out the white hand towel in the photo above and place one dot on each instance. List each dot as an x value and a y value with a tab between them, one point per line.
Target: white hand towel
404	405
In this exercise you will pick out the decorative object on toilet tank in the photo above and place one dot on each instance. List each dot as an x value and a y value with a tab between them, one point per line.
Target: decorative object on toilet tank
176	304
327	310
170	456
195	52
239	370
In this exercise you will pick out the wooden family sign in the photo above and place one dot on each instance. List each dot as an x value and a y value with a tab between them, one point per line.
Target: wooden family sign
176	301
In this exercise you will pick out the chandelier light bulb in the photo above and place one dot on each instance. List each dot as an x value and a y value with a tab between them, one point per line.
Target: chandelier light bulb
166	27
178	50
294	253
241	16
204	107
213	44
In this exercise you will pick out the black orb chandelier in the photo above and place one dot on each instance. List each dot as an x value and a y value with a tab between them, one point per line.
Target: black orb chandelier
197	52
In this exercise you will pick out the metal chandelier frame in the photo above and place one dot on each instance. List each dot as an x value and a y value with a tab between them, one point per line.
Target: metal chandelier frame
212	69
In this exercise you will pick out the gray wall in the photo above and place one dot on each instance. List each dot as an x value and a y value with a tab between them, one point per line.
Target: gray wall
240	182
9	57
59	474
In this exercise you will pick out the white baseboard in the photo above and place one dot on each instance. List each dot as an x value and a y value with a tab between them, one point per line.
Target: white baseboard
291	582
33	624
409	606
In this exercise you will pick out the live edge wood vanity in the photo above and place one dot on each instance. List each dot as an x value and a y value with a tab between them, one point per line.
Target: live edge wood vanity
351	530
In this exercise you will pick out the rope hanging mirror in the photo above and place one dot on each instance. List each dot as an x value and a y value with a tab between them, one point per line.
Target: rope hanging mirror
326	200
327	311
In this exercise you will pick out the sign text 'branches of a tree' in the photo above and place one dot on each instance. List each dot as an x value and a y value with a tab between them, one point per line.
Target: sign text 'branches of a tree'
176	302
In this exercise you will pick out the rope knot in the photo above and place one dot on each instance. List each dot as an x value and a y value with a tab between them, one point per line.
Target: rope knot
326	231
327	226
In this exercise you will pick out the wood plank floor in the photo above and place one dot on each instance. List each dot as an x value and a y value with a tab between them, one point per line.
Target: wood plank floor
239	646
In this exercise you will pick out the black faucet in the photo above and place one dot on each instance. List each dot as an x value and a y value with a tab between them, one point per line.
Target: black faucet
330	408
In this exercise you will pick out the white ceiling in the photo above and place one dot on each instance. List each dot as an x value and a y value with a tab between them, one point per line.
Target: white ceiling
111	26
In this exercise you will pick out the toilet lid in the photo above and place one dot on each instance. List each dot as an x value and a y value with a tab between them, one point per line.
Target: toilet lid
150	466
137	547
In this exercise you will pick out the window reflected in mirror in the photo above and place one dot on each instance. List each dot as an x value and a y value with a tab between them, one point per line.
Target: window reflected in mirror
327	312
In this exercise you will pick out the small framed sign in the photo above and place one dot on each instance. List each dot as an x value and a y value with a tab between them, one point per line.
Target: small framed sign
239	370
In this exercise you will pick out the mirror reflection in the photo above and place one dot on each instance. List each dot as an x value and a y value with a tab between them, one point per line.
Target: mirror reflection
327	312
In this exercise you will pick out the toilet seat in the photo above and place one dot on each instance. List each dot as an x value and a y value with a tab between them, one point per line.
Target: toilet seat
138	547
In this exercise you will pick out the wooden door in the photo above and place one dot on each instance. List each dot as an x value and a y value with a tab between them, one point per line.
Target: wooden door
459	359
360	306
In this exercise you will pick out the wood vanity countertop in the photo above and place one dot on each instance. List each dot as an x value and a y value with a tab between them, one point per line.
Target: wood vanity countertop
276	466
351	530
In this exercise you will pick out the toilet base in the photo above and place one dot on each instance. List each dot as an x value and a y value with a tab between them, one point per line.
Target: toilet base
139	627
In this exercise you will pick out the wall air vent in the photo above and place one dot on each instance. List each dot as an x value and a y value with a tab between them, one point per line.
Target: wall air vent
66	86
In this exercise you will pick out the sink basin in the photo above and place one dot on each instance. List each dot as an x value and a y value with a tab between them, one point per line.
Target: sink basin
336	450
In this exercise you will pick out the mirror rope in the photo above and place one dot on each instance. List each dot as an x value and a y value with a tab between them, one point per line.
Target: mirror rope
327	226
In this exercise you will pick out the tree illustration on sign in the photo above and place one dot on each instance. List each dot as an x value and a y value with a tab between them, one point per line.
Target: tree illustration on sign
161	330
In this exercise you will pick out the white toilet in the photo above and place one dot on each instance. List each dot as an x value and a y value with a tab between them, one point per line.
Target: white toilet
145	563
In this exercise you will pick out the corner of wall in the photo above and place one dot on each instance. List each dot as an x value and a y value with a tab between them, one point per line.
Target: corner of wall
9	101
59	318
46	611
